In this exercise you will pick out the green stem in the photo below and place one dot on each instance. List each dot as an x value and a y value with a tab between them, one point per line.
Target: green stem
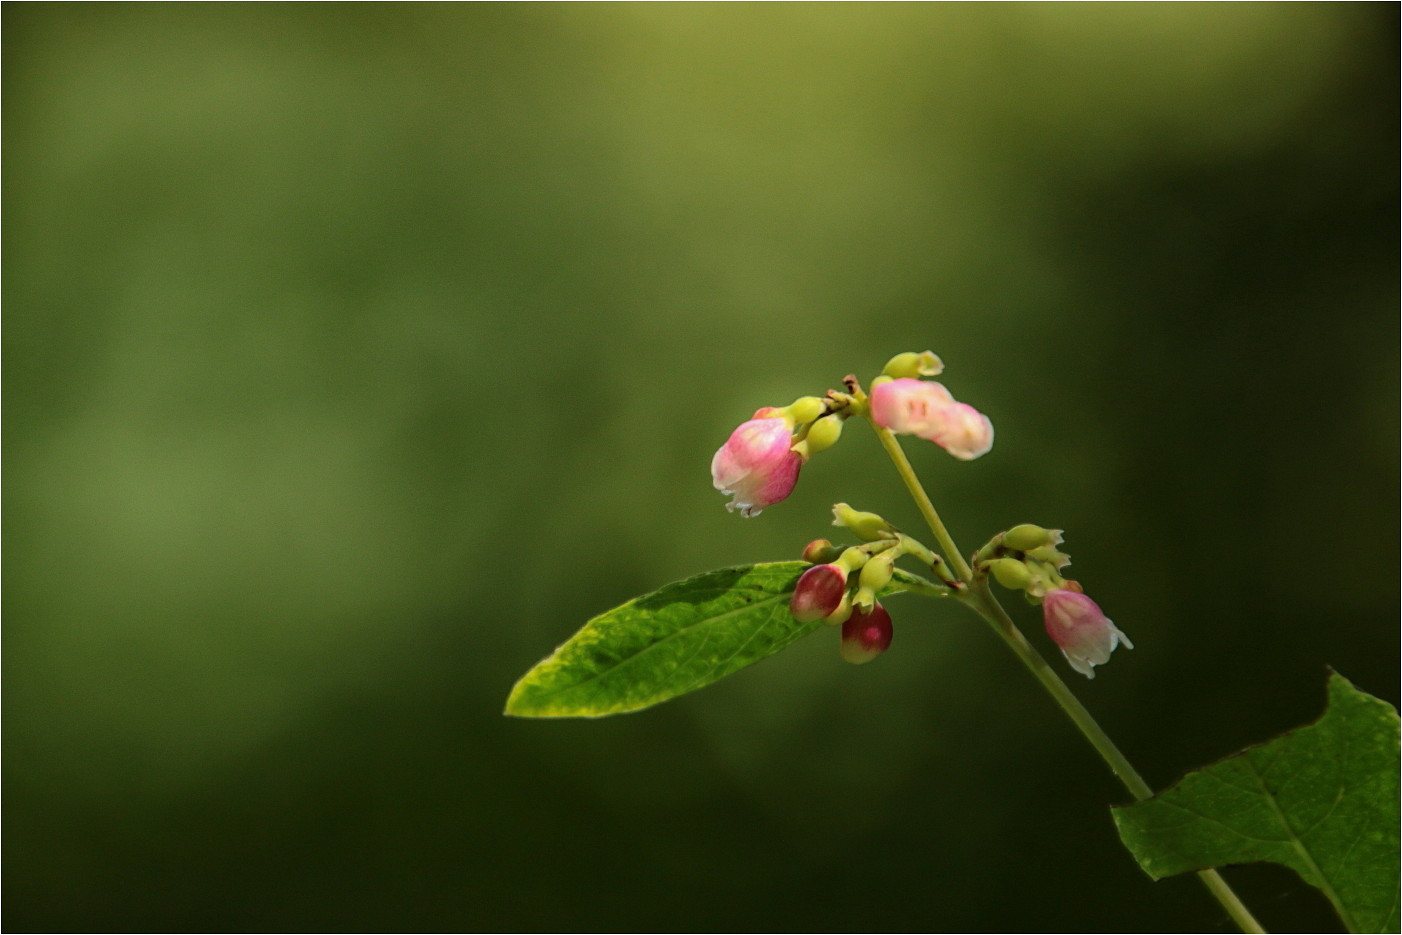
905	581
981	600
922	500
987	606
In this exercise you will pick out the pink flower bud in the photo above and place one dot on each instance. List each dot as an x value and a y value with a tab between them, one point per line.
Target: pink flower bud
909	406
966	434
1078	625
925	409
756	465
818	592
866	636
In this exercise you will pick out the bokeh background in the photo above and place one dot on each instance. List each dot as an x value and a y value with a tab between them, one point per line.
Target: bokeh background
355	355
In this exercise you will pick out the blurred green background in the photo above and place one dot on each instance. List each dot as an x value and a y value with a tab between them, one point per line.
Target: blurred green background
356	355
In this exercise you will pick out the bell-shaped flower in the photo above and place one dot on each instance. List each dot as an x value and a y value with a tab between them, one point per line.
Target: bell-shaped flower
1078	625
926	409
757	466
866	635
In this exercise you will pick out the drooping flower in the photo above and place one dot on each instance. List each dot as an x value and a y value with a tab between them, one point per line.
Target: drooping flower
866	635
1078	625
926	409
757	465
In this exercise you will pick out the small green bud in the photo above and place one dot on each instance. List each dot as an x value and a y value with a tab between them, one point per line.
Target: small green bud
865	526
1051	556
1027	537
911	364
820	552
876	574
1011	573
823	434
807	408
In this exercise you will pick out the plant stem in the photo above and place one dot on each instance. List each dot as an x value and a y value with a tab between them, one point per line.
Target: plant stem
922	500
988	607
981	600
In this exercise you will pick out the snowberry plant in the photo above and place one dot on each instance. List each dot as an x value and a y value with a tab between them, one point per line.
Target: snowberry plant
1322	799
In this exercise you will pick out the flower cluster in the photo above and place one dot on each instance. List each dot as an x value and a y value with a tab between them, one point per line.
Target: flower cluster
758	465
827	592
1026	558
822	594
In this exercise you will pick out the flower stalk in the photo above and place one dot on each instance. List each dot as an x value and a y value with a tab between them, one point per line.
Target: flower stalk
922	502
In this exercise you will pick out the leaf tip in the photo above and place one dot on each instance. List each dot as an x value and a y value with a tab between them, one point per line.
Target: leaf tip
518	702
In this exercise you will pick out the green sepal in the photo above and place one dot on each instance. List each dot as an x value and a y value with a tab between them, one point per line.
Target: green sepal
1010	573
1028	536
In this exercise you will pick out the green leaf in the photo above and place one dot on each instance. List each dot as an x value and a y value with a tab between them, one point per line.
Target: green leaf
667	643
1321	799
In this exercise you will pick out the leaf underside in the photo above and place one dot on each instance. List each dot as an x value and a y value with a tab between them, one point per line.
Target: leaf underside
1321	799
672	641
